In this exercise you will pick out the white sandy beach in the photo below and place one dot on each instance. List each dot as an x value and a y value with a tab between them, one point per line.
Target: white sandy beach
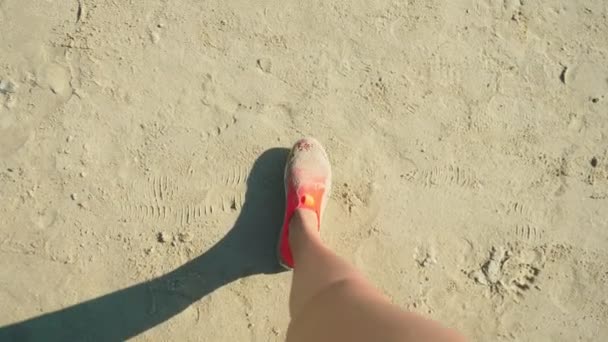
468	139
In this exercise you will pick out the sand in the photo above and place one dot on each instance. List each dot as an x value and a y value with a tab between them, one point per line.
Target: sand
142	145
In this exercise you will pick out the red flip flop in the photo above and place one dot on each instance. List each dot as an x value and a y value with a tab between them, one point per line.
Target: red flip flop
307	185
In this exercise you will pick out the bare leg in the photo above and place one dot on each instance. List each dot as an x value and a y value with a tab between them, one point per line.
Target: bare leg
331	301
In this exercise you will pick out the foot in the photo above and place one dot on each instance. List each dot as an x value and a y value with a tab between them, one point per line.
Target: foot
307	187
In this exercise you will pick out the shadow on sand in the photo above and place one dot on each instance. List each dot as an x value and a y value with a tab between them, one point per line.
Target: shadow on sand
249	248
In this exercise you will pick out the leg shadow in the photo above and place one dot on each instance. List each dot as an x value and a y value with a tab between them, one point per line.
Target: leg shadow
249	248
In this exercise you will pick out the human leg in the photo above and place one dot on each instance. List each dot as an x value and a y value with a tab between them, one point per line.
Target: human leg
330	300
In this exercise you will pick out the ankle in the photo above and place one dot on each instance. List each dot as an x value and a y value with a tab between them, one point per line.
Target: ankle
303	226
